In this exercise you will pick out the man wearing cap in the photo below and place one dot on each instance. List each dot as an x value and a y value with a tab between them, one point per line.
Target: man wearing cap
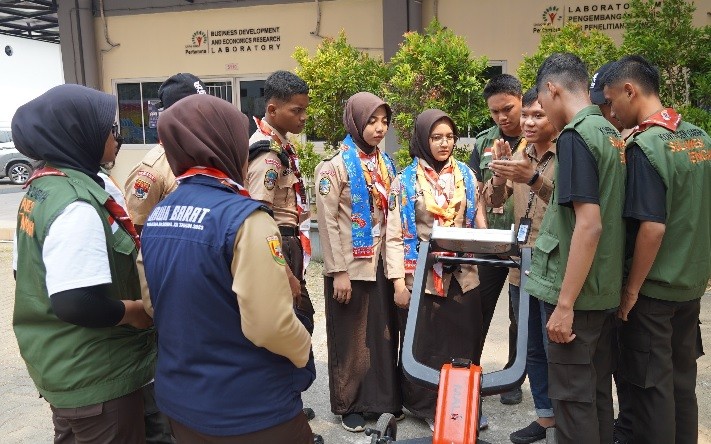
148	184
622	433
151	180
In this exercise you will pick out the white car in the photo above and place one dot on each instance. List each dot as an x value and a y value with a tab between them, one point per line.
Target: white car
13	164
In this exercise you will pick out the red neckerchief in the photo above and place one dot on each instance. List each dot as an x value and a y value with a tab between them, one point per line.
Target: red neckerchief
215	174
370	164
116	211
299	188
667	118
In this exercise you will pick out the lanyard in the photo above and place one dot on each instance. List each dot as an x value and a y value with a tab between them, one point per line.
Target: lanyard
539	168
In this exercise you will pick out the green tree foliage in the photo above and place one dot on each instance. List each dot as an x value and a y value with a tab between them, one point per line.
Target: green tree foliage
435	69
593	47
664	35
337	71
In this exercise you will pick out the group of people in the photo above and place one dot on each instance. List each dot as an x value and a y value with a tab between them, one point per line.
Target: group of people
208	249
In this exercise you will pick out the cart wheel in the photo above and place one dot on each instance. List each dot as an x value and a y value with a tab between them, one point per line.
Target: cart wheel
387	426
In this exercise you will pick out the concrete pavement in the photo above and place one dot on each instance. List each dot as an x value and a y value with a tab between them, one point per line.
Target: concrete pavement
25	418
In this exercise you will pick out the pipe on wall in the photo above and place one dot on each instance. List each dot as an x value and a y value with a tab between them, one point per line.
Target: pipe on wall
78	44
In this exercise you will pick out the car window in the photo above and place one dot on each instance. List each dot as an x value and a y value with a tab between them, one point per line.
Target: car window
5	135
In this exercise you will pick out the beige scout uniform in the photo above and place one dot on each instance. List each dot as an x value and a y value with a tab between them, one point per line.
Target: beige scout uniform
148	183
495	196
270	181
335	226
467	275
266	322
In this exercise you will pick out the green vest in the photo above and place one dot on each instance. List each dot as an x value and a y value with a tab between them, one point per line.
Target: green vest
601	290
74	366
485	140
683	160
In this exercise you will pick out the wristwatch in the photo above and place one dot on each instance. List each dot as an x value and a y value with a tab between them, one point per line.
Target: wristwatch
533	179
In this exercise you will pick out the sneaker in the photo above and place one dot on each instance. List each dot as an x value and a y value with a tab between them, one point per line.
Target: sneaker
399	415
318	439
531	433
430	422
353	422
483	422
512	397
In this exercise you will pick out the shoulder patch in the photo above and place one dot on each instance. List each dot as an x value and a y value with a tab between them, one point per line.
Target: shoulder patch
275	248
270	179
324	186
141	188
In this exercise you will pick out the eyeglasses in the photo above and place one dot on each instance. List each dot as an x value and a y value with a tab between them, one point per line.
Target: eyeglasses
117	135
439	138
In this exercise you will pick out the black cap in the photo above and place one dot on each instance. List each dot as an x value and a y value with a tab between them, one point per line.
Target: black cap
597	85
177	87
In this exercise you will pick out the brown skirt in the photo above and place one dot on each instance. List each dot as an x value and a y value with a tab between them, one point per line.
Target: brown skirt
362	348
447	328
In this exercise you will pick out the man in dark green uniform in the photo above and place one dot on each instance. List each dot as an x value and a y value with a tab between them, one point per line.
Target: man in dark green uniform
503	98
578	257
667	264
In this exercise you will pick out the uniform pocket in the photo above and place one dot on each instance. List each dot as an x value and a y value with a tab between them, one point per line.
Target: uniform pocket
570	372
635	358
546	257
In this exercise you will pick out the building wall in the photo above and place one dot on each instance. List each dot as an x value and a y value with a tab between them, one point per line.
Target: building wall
507	30
162	44
33	68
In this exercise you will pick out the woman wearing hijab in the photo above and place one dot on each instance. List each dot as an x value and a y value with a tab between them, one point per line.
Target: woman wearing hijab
435	189
233	357
79	320
361	319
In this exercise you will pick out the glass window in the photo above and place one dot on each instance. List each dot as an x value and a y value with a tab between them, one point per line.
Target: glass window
5	136
251	100
137	111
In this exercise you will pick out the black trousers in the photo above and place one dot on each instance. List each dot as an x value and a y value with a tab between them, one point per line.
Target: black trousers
580	379
659	348
294	256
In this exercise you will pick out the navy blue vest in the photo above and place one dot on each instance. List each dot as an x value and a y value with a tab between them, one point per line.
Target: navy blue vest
209	377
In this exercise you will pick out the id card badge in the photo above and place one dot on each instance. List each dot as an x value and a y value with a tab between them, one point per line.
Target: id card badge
524	230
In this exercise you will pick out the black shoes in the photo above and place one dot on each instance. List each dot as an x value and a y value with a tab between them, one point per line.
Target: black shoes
353	422
512	397
531	433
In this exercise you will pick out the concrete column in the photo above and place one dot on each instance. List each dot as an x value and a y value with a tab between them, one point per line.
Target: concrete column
78	43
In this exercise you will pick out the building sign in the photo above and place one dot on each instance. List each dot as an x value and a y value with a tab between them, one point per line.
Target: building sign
229	41
600	16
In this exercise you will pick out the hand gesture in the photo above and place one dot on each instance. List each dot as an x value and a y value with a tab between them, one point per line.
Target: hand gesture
501	150
342	287
560	325
627	302
519	171
402	294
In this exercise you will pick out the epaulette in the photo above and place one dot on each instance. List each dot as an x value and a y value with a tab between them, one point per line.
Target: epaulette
264	146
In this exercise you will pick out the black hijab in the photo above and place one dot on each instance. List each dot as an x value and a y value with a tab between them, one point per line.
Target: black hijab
66	127
359	107
203	130
420	141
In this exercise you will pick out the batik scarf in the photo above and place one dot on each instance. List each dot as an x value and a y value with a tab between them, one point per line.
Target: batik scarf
362	223
463	178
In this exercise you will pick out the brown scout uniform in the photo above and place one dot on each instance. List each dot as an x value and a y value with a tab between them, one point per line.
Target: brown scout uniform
363	334
270	181
495	196
448	327
148	183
